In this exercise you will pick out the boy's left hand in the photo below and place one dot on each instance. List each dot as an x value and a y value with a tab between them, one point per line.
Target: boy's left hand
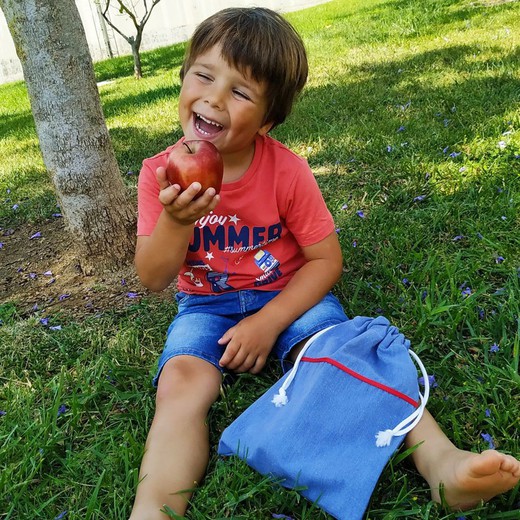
248	344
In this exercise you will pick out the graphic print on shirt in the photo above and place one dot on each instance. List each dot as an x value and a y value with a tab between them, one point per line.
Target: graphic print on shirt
269	265
222	240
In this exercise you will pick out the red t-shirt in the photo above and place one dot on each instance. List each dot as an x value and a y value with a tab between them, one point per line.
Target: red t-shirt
253	238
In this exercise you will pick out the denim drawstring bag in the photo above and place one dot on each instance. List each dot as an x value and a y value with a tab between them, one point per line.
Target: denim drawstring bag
330	425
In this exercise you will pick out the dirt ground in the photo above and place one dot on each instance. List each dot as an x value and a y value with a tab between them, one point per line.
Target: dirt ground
38	272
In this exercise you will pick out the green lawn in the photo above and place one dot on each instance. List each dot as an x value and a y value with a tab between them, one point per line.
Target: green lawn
411	121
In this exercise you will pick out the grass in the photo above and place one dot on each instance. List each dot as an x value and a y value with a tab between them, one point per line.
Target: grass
411	115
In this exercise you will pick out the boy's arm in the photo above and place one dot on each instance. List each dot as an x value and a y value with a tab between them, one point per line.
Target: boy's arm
251	340
159	256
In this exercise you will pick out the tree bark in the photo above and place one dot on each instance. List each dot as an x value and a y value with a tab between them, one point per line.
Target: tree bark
74	140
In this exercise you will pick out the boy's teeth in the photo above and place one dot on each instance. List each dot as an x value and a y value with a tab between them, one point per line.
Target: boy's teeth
206	126
208	121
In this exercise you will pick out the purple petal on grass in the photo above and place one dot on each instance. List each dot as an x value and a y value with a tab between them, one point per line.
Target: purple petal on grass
489	440
445	150
360	214
419	198
424	295
457	238
62	409
276	515
494	348
499	259
401	128
354	243
344	207
123	282
2	413
406	282
1	245
63	514
466	291
455	154
36	235
33	275
488	412
44	321
389	148
132	295
338	229
15	207
431	379
55	327
57	215
479	235
47	273
63	297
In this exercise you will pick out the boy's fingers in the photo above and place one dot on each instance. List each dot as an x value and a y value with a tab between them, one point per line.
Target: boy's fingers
162	180
226	337
258	365
229	355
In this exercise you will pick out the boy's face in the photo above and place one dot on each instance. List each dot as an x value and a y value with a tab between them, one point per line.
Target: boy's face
218	103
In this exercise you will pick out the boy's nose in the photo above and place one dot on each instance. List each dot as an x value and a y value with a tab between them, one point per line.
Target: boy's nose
214	99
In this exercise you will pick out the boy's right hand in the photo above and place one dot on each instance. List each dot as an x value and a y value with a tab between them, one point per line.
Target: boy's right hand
180	206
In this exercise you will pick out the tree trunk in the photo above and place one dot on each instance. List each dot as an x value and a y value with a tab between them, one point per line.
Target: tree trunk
74	140
138	71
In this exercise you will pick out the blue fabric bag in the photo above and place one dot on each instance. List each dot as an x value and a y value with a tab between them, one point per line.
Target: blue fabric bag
330	425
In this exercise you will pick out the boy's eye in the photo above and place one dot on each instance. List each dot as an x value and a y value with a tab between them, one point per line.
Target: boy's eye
203	76
241	94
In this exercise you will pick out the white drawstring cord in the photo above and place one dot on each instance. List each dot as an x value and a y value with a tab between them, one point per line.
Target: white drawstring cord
280	399
383	438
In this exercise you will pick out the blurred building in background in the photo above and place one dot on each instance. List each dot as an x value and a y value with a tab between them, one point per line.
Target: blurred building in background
172	21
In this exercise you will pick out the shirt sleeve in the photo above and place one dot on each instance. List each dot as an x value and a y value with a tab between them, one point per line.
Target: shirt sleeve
307	215
148	206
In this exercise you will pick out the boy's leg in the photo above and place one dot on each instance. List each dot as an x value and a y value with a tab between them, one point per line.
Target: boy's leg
466	478
177	447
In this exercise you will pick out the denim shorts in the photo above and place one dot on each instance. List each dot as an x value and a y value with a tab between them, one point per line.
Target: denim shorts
203	319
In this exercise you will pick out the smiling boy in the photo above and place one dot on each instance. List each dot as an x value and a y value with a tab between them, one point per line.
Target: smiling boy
254	264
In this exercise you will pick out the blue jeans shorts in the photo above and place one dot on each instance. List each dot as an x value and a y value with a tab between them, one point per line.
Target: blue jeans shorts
202	320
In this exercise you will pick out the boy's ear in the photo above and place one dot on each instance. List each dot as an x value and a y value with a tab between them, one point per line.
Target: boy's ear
265	128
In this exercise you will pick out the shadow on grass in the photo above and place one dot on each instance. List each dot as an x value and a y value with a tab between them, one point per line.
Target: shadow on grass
463	103
134	144
153	62
136	102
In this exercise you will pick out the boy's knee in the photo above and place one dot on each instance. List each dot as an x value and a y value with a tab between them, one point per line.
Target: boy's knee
188	379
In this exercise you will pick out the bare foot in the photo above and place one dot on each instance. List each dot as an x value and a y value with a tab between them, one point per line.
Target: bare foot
469	478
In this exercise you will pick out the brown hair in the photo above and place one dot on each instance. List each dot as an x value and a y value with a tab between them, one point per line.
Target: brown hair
262	43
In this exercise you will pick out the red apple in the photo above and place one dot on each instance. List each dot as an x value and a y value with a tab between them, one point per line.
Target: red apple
195	161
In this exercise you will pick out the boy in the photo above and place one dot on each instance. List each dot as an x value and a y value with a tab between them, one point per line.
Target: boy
255	263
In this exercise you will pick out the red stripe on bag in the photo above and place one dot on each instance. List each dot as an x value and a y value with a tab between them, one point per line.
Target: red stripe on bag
385	388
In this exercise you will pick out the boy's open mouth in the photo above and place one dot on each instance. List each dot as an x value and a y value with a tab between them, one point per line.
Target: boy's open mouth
206	126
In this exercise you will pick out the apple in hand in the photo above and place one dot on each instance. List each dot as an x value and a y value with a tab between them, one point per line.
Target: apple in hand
195	161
